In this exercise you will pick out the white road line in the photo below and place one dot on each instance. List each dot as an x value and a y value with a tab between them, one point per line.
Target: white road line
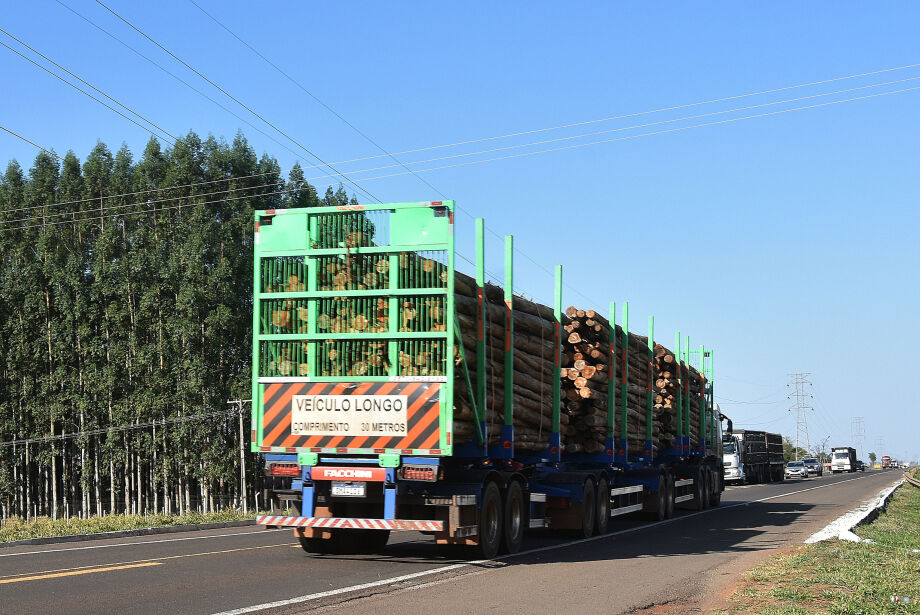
442	569
141	542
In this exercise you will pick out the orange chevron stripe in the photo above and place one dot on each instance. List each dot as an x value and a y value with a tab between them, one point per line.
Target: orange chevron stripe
270	390
424	421
315	390
286	420
432	440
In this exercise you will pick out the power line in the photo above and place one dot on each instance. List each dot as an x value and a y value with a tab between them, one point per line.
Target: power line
493	159
633	127
236	100
174	76
121	428
637	114
19	136
81	90
87	83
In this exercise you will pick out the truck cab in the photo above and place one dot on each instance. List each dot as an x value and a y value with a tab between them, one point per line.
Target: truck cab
733	469
843	459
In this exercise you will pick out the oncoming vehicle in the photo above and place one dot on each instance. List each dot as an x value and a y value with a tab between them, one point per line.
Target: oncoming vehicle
860	465
814	466
796	469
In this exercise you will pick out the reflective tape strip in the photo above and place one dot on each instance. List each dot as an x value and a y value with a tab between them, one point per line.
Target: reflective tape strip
339	522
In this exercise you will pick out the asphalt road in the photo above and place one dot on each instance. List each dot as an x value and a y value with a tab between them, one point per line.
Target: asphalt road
257	570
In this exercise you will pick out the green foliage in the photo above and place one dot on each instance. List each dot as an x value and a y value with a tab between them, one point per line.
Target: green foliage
789	450
125	299
872	458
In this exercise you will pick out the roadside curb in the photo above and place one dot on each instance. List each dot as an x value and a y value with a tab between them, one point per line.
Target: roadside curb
842	527
145	531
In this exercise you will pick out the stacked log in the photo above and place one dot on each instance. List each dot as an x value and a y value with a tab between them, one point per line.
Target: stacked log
587	387
585	359
532	371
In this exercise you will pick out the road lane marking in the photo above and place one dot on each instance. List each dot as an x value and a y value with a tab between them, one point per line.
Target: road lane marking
145	542
452	567
71	573
153	561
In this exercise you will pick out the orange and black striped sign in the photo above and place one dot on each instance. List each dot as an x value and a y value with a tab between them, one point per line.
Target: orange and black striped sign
423	410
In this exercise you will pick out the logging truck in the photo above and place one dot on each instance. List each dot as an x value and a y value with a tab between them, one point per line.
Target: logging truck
392	392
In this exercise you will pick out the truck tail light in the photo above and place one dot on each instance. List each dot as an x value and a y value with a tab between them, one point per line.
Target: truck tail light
284	469
423	473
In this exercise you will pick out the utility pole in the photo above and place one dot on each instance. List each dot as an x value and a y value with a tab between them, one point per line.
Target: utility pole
858	433
799	394
244	504
879	446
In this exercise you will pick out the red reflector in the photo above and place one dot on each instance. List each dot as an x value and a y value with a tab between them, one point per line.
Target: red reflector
316	450
341	450
506	444
257	226
269	212
407	451
437	203
253	435
291	449
380	450
435	451
284	469
554	450
448	438
608	452
621	452
265	448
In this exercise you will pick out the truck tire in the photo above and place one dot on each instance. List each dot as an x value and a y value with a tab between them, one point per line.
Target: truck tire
660	504
514	518
717	487
707	487
347	542
698	487
602	516
588	509
669	504
490	522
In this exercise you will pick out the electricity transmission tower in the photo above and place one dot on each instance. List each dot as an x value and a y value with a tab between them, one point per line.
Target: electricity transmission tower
858	433
801	407
879	445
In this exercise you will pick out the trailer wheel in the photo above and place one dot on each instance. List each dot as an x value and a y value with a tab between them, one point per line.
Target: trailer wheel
490	522
707	487
657	513
669	504
588	506
698	489
602	516
513	531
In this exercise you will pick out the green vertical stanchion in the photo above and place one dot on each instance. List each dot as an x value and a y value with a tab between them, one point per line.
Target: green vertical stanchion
712	401
687	390
703	427
611	382
680	398
480	327
624	388
651	382
256	403
555	442
508	428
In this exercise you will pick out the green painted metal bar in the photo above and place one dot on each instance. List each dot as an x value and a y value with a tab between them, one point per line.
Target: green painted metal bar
686	359
466	373
509	330
703	427
680	398
557	366
651	381
712	399
612	373
255	405
357	336
624	383
481	319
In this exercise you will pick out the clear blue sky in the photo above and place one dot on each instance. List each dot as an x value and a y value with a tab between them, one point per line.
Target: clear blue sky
787	243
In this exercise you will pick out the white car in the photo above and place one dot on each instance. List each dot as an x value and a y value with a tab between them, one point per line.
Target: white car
796	469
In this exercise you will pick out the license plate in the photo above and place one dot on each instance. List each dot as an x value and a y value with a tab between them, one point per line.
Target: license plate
349	490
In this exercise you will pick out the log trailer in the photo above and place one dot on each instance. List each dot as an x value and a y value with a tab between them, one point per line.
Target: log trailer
358	448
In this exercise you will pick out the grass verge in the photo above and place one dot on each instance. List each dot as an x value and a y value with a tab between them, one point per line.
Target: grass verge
44	527
844	578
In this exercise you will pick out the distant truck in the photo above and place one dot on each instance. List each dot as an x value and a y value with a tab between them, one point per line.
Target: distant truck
752	456
843	459
886	462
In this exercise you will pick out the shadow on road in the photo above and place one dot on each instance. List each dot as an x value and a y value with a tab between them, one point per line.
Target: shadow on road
755	526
